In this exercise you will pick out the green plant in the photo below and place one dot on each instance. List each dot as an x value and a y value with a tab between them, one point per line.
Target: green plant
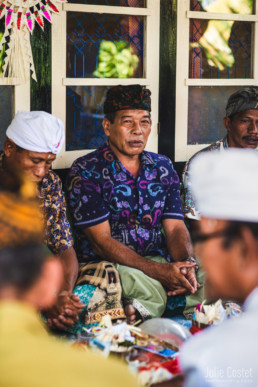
215	39
115	60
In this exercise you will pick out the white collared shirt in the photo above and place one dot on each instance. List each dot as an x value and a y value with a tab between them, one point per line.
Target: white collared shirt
227	354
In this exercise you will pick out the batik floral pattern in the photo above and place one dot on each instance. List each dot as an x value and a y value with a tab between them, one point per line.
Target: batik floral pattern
52	202
101	189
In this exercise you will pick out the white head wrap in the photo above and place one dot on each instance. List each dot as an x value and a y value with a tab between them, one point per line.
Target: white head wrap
37	131
225	185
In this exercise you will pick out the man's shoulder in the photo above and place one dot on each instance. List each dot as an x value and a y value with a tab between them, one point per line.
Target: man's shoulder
51	179
50	188
95	157
215	146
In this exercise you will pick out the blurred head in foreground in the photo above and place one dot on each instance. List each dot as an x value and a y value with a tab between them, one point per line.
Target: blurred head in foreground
225	187
28	271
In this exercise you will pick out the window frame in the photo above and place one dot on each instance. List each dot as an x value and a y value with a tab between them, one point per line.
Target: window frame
60	81
184	151
21	93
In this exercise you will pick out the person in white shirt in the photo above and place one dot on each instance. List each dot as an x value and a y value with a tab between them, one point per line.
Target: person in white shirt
226	241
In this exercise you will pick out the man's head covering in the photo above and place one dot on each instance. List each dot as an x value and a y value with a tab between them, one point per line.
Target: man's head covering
21	221
225	184
127	98
243	99
37	131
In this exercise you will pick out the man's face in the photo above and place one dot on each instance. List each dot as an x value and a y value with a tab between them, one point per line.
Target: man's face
34	164
243	129
129	133
220	264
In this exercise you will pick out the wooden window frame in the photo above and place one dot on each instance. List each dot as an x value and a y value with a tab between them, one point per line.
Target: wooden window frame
184	151
60	81
21	93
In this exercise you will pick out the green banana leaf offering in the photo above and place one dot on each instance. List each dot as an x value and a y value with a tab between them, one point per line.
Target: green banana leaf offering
116	60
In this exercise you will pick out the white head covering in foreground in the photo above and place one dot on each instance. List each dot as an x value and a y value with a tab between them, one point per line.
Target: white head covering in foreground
37	131
225	184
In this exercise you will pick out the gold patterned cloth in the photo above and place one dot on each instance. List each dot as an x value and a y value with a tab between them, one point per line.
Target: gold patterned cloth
107	296
21	221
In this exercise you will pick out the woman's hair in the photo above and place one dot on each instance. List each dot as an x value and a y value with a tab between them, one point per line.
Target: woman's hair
20	266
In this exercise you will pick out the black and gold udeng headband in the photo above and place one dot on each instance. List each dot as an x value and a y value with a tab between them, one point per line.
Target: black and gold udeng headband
127	98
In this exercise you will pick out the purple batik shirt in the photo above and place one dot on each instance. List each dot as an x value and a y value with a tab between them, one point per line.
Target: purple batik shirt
101	189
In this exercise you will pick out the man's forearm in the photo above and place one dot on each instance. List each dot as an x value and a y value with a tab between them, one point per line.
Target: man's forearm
70	267
181	250
169	275
178	241
112	250
108	248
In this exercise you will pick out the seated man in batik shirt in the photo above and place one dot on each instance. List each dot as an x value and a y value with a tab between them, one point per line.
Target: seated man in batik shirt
241	125
121	199
33	141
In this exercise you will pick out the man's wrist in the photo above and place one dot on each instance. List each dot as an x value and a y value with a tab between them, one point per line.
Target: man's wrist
64	293
193	260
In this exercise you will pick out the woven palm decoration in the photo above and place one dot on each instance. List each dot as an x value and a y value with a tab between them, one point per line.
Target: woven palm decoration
21	17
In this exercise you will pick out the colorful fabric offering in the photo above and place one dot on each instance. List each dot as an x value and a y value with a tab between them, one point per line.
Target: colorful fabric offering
100	188
106	300
85	293
98	288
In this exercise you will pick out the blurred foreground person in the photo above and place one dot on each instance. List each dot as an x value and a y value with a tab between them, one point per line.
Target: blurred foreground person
225	187
30	279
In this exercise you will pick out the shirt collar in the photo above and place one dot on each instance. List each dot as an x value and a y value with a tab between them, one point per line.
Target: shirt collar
225	142
145	156
251	303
